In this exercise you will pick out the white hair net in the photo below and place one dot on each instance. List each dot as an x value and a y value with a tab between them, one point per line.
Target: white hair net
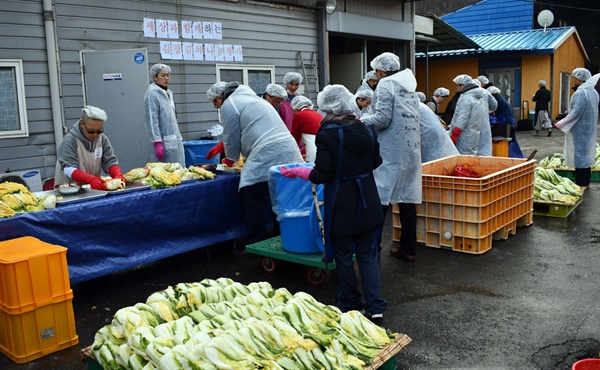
292	77
462	79
94	113
300	102
441	91
215	91
157	68
581	74
371	75
336	99
483	79
477	82
542	83
421	96
387	62
276	91
493	90
365	94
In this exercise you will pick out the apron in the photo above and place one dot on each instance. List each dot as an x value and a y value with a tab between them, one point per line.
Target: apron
310	146
332	189
90	162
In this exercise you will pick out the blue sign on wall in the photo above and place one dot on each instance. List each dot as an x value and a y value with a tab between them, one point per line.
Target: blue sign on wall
139	58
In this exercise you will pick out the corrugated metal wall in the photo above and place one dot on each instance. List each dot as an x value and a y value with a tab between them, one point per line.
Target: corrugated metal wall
22	37
270	34
393	10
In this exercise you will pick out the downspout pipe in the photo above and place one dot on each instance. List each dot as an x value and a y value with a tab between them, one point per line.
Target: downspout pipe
323	47
52	51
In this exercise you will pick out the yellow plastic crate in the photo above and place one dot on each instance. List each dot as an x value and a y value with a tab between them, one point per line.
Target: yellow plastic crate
32	274
466	214
36	333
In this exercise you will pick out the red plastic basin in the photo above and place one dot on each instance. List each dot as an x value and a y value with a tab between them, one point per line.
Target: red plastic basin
587	364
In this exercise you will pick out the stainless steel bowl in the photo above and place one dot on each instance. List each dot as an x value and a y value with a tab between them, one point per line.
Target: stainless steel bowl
66	190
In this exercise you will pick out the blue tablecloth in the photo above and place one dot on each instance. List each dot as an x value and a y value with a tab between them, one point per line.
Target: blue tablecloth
117	232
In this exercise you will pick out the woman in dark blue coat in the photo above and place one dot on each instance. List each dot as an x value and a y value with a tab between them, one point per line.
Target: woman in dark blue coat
504	114
347	154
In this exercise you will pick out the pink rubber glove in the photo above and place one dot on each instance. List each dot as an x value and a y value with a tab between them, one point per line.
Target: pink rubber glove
159	149
95	182
301	172
228	162
216	150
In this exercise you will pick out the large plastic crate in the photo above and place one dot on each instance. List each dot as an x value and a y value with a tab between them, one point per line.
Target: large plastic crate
36	333
466	214
32	274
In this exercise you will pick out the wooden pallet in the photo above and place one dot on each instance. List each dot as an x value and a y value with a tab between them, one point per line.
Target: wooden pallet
389	351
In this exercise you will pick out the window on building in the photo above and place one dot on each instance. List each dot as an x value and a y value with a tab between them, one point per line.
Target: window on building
565	85
257	77
13	117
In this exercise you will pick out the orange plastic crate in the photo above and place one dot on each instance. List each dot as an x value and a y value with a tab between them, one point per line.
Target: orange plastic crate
32	274
500	148
36	333
466	214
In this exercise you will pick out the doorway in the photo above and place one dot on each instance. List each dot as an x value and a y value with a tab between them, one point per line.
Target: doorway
508	81
116	81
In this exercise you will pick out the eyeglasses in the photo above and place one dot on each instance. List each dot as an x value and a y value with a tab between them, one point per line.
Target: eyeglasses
92	132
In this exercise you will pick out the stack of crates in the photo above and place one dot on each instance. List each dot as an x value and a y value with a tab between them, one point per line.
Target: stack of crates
36	308
466	214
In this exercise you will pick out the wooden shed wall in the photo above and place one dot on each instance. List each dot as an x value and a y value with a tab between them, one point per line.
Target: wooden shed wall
567	57
270	34
441	74
22	36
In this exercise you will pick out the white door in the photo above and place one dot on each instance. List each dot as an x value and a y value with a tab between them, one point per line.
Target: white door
116	81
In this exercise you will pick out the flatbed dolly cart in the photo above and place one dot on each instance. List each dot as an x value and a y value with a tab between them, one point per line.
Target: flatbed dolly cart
272	252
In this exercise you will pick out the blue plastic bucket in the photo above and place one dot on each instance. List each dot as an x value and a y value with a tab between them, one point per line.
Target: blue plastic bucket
195	152
292	201
296	236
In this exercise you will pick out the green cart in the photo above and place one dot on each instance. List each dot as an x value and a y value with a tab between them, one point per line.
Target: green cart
273	252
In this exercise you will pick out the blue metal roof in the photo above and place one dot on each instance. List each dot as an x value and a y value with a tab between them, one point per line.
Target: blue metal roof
492	16
524	42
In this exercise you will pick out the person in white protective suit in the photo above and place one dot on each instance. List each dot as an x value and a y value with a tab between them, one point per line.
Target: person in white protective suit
160	118
274	94
396	119
439	96
369	82
465	127
580	126
485	137
363	99
252	128
435	142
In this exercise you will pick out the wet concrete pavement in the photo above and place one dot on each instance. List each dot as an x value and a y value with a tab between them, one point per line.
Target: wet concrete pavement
531	302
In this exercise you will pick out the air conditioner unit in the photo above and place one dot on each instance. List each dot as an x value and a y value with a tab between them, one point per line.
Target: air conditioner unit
32	179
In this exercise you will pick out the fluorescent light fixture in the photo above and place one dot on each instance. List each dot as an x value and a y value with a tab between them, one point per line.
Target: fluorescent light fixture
330	6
